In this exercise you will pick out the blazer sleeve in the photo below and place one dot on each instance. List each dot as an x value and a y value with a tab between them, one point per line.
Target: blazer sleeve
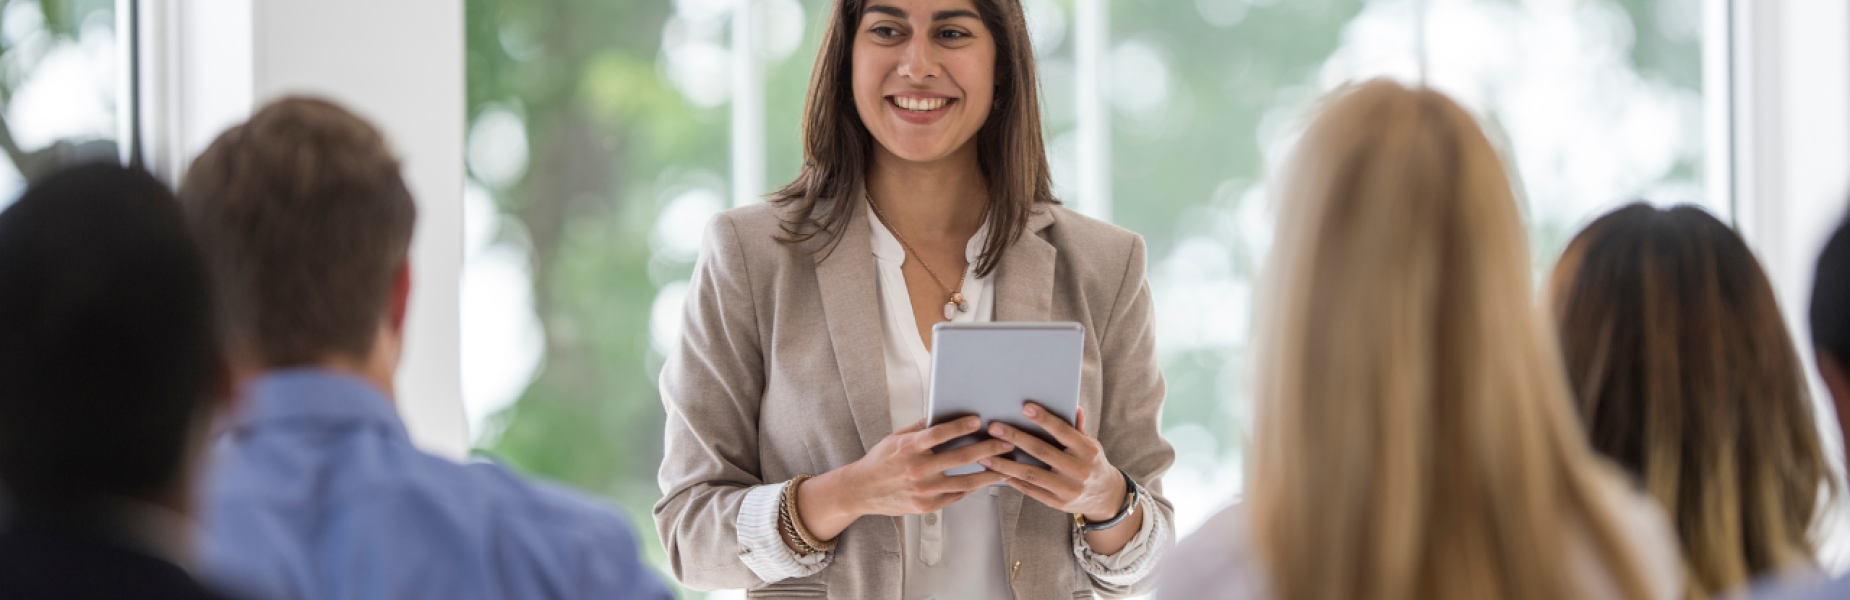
1131	427
712	386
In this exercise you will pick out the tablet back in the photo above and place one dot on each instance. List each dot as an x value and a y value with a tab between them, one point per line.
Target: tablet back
990	369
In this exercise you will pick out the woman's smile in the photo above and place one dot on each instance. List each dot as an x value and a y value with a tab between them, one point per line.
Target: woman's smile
920	109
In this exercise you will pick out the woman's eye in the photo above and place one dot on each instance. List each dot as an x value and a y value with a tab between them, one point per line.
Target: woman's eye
884	32
952	34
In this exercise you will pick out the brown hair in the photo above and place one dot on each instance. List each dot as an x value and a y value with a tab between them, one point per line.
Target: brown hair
1687	377
1414	435
837	146
304	219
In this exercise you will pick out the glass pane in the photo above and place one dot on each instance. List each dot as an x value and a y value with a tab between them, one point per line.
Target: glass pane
597	150
1595	101
59	73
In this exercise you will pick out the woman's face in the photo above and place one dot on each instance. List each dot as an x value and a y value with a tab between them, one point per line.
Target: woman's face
924	75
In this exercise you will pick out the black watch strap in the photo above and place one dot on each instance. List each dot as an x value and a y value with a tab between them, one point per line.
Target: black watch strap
1129	508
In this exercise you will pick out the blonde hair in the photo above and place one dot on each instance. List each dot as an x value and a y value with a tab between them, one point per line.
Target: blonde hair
1414	435
1686	376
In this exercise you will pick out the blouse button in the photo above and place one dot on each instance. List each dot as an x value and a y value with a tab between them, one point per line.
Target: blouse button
931	519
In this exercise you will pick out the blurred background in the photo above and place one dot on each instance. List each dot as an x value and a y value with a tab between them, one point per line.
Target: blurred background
599	136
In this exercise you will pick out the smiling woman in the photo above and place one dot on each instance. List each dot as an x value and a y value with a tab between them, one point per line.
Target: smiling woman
797	394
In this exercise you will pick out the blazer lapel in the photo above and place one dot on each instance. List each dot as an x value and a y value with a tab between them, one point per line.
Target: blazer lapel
1024	292
851	306
1024	278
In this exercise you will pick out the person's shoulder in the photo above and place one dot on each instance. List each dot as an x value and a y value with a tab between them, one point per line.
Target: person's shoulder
755	234
1074	230
1654	537
37	563
1644	528
524	501
1214	562
1829	590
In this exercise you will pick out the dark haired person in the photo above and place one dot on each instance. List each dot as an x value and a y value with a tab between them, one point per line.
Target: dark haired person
1830	338
319	493
109	375
924	198
1684	375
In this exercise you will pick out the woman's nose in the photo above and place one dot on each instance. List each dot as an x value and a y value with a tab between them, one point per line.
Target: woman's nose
920	60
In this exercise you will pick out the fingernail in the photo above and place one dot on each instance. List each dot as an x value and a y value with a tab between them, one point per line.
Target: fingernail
984	462
974	423
1007	446
995	430
1029	410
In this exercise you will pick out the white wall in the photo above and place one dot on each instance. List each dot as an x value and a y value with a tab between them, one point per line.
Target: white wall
208	63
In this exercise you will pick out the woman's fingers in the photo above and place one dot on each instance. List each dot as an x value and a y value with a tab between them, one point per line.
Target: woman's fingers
1036	476
962	484
969	454
1061	431
1061	460
1038	493
947	431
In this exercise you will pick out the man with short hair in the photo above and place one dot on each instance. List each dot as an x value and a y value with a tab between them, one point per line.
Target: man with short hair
110	372
306	224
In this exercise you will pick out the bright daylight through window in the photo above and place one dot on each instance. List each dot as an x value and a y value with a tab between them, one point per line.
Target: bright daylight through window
601	135
59	76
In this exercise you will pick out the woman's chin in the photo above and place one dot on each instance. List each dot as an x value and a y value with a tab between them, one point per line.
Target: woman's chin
922	151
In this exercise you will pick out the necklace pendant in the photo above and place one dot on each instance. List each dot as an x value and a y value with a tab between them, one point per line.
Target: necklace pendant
957	298
950	310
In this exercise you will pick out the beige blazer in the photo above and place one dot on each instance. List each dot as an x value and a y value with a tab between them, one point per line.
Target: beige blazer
780	372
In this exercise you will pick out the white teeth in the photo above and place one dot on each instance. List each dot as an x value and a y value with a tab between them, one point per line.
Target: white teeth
920	104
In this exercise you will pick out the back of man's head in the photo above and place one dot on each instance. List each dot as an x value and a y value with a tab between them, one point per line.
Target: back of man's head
1830	319
305	221
108	357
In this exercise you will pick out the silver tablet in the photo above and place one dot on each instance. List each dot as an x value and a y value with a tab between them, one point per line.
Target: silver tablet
990	369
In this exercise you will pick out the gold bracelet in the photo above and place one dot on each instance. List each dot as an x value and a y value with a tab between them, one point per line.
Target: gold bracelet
790	531
796	517
784	523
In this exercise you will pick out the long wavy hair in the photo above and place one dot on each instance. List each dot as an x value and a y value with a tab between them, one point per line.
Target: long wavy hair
1415	436
1686	376
837	148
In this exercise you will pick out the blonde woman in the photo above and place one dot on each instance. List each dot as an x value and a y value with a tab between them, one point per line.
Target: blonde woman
1415	437
1686	377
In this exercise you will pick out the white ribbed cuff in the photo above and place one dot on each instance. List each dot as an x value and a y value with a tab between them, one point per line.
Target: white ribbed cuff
762	548
1138	558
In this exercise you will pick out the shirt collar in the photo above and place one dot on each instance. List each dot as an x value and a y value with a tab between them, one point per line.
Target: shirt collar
887	247
316	395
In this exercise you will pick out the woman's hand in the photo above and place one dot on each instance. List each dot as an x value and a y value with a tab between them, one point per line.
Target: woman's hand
1082	481
899	476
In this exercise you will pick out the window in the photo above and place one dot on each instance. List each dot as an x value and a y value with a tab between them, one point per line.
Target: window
604	135
60	72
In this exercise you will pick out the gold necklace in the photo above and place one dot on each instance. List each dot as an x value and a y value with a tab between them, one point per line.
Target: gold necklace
956	303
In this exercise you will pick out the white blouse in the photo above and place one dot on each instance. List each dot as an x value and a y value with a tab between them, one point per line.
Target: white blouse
971	528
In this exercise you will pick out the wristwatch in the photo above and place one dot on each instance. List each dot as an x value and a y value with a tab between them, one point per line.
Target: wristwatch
1130	508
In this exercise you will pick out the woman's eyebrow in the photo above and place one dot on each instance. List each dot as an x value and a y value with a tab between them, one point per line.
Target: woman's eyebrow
887	10
943	15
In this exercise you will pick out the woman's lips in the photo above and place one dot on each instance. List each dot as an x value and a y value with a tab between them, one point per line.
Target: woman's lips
920	111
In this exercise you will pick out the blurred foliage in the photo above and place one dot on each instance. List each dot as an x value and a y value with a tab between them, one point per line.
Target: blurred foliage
611	140
60	21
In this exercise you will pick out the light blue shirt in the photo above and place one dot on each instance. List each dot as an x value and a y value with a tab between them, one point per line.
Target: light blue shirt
318	494
1833	590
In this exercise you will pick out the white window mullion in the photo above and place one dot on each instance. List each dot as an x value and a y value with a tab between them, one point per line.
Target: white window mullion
747	103
1091	47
